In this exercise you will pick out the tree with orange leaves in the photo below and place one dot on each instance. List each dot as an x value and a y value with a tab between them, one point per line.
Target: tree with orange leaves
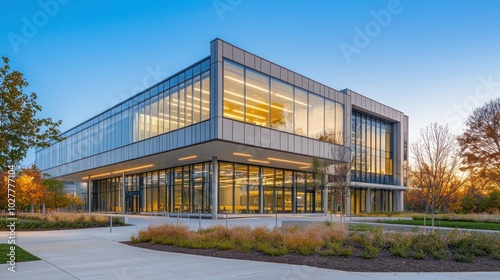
30	190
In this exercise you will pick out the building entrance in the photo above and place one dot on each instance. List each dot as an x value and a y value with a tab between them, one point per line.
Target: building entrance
132	202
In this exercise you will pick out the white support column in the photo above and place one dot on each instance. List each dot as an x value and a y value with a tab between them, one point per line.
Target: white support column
89	194
325	196
368	200
215	187
123	193
261	193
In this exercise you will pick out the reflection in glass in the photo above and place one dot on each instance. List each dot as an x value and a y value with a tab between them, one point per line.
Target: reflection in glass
281	106
256	98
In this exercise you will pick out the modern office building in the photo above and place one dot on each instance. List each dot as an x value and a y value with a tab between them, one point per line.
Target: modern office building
233	133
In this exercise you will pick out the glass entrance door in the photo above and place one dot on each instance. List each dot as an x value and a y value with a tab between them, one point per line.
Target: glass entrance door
132	202
309	202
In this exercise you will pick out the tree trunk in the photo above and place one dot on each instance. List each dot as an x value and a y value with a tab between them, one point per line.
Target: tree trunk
432	219
425	218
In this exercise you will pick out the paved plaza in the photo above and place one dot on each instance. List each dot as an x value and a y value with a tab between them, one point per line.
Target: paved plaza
97	254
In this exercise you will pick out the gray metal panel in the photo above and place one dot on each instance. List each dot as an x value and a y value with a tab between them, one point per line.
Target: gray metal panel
297	80
227	50
316	149
275	71
238	56
249	134
258	136
283	141
284	74
265	67
310	146
291	76
291	143
238	132
304	146
298	144
265	137
322	149
305	83
249	60
275	139
257	63
316	88
188	134
227	129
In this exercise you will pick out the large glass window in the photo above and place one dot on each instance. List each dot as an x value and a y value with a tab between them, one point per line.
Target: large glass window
316	116
174	109
256	98
371	147
281	106
179	101
234	91
205	93
197	100
226	180
300	112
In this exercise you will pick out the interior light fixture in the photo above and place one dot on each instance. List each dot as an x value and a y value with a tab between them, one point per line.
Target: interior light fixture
305	167
134	168
242	154
189	157
289	161
258	161
98	175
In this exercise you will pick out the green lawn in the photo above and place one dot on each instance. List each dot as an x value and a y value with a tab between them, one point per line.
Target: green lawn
452	224
21	255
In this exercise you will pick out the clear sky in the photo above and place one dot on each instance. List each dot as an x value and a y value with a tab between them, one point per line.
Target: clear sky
434	60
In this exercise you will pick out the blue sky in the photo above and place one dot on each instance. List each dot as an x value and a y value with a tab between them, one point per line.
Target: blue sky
433	60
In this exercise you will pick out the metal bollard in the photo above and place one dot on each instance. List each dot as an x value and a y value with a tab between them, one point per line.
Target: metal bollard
226	219
276	223
199	219
110	224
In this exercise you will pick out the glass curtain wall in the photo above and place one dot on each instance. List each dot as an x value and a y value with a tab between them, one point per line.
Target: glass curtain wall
182	100
256	98
187	189
372	148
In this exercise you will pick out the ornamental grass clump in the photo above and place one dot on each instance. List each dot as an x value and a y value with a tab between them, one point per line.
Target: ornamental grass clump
306	240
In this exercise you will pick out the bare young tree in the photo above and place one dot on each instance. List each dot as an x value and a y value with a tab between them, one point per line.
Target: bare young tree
480	142
341	170
335	172
436	166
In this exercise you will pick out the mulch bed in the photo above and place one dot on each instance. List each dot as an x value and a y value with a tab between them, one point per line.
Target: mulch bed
383	263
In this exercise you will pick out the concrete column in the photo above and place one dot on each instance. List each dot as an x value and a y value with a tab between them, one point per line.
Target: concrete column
398	201
123	193
325	196
261	193
368	200
89	194
215	187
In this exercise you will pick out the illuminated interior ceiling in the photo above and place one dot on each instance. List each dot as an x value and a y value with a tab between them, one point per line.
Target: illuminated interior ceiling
226	151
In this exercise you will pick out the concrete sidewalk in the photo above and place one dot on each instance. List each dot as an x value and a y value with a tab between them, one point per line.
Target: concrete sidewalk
97	254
